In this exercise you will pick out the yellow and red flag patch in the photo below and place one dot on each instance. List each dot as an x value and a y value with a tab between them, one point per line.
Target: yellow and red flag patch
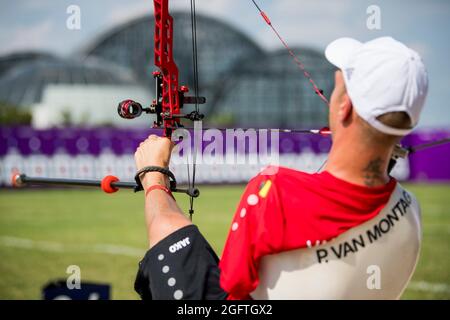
264	188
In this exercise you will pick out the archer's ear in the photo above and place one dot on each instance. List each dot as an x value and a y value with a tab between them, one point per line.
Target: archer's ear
345	107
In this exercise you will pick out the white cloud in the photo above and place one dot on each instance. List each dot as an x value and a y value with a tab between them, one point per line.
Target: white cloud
218	8
311	23
34	37
123	12
35	4
305	8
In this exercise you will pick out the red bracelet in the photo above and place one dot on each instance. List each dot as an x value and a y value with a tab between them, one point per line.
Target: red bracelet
159	187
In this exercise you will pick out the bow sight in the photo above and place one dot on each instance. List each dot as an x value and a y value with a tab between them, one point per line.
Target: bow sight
130	109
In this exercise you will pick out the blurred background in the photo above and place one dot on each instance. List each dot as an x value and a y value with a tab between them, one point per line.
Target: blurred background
61	81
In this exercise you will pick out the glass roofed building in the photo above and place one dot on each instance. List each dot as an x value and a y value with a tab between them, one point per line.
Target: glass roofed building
13	60
25	84
81	92
272	91
220	48
244	85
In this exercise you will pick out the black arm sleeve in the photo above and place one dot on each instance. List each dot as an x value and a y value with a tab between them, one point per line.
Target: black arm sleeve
181	266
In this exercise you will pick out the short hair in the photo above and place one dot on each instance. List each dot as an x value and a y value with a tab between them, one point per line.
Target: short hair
397	119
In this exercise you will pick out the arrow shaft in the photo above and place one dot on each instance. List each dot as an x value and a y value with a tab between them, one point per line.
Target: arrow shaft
24	179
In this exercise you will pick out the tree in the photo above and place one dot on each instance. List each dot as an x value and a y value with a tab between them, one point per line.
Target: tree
14	115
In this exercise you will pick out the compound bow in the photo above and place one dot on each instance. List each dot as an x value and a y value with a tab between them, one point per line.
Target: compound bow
167	105
170	97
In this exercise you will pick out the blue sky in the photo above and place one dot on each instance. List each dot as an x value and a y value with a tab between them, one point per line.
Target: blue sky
422	25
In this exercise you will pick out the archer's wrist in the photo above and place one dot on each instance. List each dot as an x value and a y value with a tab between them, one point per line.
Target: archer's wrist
153	178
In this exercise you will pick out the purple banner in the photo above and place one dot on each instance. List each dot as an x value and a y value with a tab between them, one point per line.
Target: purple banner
58	150
431	163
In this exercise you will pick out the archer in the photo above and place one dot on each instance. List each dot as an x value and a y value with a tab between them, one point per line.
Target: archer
297	235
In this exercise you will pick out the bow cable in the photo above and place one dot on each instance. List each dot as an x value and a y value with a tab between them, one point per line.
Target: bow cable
297	61
197	111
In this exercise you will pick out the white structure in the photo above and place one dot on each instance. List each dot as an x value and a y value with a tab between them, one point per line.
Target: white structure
87	105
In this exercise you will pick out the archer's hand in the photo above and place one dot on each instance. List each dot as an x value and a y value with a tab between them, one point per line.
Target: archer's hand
154	151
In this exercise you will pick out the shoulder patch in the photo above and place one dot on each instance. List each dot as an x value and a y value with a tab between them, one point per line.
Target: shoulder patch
265	188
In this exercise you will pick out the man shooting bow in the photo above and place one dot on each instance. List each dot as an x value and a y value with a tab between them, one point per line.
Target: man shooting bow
348	232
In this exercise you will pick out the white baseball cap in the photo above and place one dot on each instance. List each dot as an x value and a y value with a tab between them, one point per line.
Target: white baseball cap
381	76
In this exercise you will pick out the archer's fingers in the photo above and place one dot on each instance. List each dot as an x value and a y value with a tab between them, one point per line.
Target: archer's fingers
168	143
152	137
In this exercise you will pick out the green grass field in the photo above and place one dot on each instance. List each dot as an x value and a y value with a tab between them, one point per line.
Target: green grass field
43	232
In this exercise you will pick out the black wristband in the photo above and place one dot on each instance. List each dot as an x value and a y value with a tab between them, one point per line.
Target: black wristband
165	171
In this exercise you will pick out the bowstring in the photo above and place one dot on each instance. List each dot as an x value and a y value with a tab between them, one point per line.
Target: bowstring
294	57
427	145
297	61
196	91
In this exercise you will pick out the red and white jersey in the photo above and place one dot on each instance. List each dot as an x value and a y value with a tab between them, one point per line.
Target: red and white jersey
313	236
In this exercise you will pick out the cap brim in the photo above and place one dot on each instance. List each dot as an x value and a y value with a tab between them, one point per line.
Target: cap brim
339	51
